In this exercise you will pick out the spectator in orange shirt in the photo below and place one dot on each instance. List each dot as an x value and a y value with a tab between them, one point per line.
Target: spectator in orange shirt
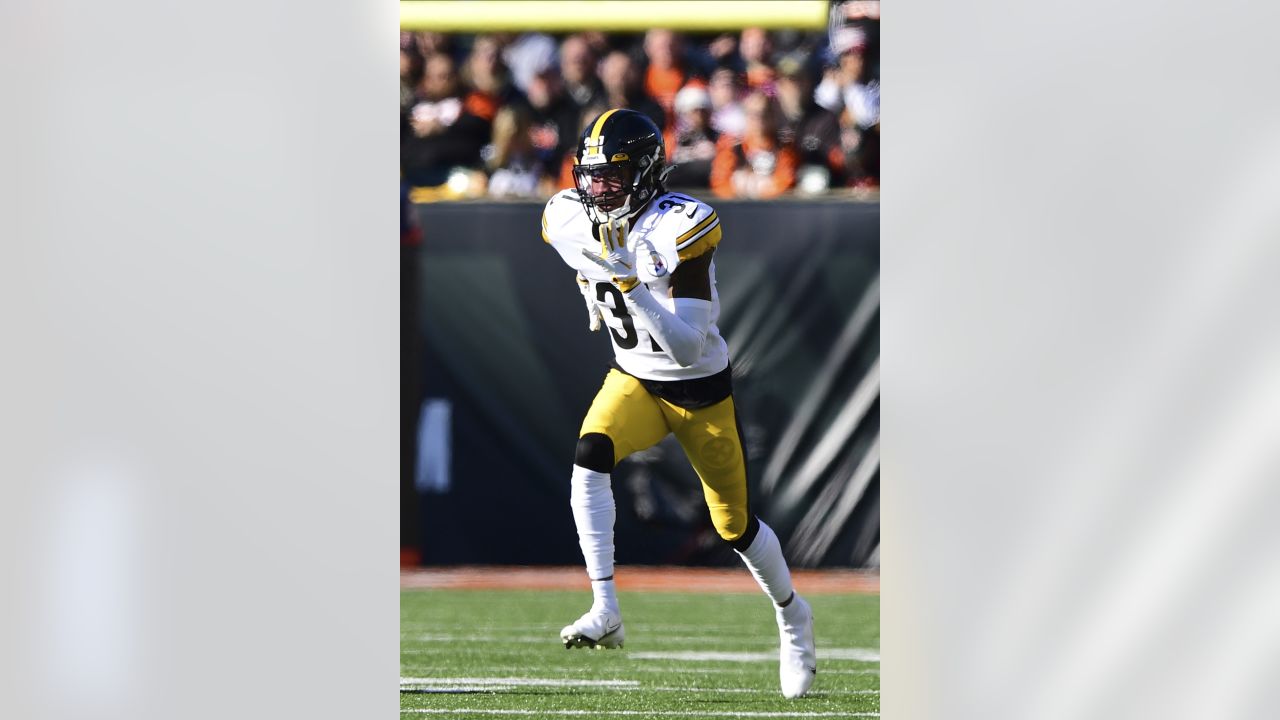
621	80
665	75
757	165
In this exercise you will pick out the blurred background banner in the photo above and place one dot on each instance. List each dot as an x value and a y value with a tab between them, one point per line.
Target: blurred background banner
503	369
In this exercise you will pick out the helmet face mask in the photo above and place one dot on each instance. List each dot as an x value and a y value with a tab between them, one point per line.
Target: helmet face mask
619	165
605	190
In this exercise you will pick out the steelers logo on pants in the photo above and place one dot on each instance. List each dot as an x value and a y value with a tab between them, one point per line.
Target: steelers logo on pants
718	452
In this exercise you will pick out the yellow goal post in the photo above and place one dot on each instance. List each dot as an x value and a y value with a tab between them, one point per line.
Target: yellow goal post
474	16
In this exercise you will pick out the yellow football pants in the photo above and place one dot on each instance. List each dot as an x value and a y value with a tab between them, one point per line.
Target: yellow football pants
634	420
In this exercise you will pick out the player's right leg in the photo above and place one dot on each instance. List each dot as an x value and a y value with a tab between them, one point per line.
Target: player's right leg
623	418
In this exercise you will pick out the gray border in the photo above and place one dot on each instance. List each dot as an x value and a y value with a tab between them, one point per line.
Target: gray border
198	276
1081	365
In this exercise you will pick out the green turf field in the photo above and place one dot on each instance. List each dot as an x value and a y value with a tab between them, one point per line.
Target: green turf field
487	654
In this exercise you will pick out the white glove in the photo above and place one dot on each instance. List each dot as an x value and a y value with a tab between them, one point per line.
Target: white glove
593	310
615	257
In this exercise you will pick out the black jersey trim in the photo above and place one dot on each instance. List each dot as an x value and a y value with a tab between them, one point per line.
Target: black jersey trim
692	394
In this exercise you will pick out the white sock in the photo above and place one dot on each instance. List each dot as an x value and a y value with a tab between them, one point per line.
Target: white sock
591	497
765	561
605	596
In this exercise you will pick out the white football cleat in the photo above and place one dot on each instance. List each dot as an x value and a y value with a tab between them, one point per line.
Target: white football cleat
595	629
798	656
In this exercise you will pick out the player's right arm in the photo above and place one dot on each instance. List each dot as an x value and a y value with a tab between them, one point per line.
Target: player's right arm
681	333
593	310
552	219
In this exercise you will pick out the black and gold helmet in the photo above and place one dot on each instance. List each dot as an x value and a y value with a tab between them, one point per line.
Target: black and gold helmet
620	165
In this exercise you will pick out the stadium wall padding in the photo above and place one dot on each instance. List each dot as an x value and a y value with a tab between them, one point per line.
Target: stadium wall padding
497	334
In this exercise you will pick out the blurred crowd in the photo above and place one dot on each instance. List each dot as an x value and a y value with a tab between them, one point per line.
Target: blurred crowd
753	114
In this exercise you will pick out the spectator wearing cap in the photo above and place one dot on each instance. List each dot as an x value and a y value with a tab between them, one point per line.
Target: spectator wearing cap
813	130
758	164
694	148
439	133
529	55
849	91
756	48
847	87
578	68
622	87
725	91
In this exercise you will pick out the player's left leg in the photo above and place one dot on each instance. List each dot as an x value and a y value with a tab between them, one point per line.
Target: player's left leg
713	443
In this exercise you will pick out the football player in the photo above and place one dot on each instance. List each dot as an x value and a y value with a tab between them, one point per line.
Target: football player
644	262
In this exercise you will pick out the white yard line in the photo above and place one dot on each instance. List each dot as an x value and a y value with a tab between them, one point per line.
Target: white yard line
681	713
532	628
752	691
455	689
467	685
857	654
549	638
665	670
518	681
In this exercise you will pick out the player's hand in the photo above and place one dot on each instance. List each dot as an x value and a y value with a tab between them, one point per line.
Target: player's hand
612	236
622	269
593	310
615	257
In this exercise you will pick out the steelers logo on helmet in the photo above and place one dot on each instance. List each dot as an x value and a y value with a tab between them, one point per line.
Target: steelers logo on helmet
621	163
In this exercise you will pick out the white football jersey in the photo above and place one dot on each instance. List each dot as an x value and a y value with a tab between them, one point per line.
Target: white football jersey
674	228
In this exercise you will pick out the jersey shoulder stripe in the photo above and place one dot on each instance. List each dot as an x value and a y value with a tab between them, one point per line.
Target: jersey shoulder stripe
691	226
703	237
692	236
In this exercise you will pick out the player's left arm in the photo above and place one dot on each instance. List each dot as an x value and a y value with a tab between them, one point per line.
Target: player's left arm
692	278
683	332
